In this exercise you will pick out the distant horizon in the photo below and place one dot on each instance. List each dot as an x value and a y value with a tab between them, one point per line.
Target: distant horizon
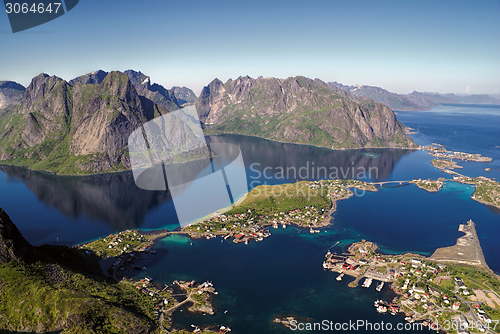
197	93
401	46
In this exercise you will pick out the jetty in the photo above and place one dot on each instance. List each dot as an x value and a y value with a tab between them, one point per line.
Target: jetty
467	249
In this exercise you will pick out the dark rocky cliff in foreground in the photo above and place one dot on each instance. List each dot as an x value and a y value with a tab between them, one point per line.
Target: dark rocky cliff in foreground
13	246
57	288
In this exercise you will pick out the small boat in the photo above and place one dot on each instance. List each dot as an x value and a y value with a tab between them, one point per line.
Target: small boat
339	277
380	286
381	309
283	225
367	283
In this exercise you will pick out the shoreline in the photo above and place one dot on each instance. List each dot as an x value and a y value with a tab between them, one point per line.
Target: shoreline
319	146
219	134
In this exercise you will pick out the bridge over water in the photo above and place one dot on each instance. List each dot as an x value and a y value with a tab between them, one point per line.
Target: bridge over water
397	183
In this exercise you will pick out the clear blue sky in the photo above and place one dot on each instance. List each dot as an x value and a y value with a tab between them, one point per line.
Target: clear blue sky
444	46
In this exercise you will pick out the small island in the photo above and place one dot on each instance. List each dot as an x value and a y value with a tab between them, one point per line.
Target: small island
429	185
445	164
443	153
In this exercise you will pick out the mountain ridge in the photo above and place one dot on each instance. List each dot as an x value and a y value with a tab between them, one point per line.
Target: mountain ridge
82	126
75	129
298	110
414	101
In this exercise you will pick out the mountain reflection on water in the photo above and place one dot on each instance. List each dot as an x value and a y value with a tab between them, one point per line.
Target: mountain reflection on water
275	156
112	198
115	199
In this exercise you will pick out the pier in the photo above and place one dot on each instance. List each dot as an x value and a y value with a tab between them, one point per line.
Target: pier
467	249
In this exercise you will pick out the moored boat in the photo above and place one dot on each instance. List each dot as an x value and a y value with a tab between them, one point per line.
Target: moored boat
367	283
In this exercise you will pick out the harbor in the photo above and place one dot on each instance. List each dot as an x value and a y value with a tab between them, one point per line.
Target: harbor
453	283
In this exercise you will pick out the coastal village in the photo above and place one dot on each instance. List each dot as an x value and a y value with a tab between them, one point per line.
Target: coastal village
256	219
453	290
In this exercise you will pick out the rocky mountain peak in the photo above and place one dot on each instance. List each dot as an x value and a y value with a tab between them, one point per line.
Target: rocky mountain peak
94	78
118	84
298	109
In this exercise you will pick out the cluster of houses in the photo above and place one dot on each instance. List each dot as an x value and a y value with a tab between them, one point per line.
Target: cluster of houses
116	244
245	227
430	298
147	289
337	189
306	217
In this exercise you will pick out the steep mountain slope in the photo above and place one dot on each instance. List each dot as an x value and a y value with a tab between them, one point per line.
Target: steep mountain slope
54	288
392	100
298	110
11	94
75	129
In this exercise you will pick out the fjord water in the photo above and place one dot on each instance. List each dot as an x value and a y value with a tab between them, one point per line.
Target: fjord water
282	274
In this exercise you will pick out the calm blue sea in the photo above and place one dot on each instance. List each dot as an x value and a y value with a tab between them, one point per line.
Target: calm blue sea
282	274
